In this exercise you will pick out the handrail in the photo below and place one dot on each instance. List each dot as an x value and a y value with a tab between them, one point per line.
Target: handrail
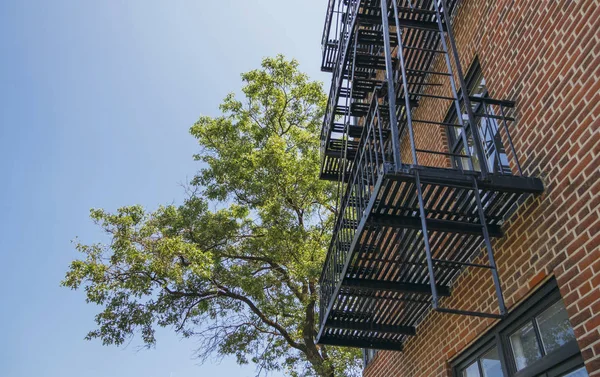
485	130
372	160
369	163
337	77
495	119
328	21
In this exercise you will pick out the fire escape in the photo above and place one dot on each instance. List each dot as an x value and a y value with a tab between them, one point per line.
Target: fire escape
410	217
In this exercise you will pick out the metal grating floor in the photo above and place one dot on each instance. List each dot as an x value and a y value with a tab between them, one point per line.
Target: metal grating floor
385	291
421	48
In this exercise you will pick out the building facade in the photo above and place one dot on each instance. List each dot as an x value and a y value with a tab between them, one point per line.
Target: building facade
465	135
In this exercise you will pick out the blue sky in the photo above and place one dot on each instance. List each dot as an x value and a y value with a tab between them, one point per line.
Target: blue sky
96	101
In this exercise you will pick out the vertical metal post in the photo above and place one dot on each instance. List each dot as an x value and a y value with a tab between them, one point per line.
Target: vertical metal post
434	292
490	251
349	99
463	85
492	134
380	131
512	146
337	20
454	91
373	132
389	71
407	109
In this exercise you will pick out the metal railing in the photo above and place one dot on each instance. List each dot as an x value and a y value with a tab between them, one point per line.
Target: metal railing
484	130
493	123
374	158
370	163
329	39
345	35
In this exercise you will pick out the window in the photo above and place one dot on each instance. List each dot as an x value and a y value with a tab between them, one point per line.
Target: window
487	128
368	355
541	336
580	372
486	365
535	340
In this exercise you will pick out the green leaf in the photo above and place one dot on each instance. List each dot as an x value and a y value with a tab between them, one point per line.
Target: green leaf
236	265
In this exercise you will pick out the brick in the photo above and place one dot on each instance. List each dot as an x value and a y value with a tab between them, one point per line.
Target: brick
564	278
537	279
556	87
587	340
581	279
592	297
593	323
593	365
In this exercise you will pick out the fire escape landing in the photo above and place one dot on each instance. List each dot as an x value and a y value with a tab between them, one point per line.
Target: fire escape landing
411	217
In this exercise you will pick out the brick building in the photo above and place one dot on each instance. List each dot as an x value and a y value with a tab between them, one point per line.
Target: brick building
467	240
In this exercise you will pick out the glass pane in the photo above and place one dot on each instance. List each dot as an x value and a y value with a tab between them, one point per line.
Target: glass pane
473	153
471	371
455	130
524	346
478	88
490	363
581	372
555	327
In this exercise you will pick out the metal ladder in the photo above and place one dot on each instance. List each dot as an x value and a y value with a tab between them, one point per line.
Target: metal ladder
461	101
409	77
490	255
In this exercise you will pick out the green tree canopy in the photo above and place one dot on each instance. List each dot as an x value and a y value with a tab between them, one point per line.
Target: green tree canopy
242	279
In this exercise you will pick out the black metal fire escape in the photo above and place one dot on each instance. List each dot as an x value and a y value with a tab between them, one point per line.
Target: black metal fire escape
410	218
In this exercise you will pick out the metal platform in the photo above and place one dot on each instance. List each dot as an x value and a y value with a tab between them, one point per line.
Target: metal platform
375	284
408	225
353	51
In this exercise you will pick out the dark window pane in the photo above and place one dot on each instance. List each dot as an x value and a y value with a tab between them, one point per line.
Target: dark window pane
471	371
524	346
581	372
490	363
555	327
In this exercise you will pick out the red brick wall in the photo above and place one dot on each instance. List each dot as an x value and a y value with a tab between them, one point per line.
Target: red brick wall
428	136
545	55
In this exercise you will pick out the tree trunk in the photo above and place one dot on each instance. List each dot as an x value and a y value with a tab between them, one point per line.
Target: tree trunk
317	360
319	365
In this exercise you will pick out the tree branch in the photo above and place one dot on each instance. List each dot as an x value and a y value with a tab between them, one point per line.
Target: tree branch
266	320
285	277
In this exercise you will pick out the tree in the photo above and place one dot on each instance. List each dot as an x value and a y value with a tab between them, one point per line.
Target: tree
242	279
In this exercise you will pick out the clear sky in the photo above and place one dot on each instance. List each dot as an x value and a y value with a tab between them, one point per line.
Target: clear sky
96	99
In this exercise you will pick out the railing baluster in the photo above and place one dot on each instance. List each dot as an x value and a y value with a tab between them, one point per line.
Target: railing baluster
493	136
510	142
380	129
389	70
407	108
365	170
374	143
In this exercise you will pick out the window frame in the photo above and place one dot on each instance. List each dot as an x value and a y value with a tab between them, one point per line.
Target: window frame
455	142
368	354
474	72
564	359
479	352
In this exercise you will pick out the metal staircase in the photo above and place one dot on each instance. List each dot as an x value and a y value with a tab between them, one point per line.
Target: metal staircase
411	217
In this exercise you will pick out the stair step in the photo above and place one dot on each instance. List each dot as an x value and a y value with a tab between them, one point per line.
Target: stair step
404	22
371	61
355	270
419	72
341	109
424	49
375	38
432	96
359	109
